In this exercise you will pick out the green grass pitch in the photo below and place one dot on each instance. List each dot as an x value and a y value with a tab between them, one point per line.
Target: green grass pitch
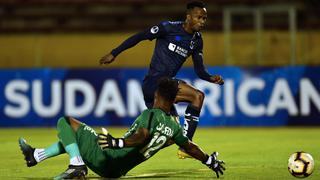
249	153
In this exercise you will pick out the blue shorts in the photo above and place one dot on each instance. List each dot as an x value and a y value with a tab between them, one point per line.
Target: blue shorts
149	87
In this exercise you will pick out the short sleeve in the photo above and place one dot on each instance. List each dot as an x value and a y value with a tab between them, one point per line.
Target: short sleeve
140	122
143	119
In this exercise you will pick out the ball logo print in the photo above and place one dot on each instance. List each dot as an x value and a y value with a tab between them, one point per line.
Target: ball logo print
301	164
154	29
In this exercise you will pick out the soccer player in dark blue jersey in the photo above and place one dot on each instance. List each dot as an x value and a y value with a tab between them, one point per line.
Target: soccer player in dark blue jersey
176	41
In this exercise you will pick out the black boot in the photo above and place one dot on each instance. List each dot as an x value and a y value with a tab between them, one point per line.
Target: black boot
78	172
27	151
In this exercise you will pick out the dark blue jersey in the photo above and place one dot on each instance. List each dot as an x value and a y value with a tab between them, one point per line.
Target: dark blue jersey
173	46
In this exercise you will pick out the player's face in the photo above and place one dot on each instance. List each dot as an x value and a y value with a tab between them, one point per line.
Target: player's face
197	18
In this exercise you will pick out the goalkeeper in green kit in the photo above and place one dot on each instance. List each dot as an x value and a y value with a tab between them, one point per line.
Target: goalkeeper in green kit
113	157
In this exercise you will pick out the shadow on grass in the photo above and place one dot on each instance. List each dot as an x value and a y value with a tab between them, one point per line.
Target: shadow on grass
156	174
38	178
167	174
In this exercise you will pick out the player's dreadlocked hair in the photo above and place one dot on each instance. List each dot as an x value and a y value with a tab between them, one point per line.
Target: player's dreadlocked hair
168	88
194	4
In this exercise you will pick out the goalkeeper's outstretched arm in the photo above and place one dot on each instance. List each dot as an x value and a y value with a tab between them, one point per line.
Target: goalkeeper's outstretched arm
195	151
210	161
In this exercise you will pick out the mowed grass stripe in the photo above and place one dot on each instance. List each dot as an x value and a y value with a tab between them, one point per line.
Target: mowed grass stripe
249	153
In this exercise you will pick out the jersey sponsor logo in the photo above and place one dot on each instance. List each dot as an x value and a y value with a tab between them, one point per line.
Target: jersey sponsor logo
177	49
172	47
154	29
87	128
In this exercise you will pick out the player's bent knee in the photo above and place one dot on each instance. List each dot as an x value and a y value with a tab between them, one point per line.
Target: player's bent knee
62	121
74	123
199	95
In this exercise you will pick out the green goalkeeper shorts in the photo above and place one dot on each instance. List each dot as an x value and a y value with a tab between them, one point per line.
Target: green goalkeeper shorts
95	158
111	163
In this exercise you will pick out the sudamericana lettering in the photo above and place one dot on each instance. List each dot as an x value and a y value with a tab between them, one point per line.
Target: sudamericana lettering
252	98
19	103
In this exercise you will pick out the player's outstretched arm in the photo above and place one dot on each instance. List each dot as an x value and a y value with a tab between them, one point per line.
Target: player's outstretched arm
202	72
154	32
106	140
210	161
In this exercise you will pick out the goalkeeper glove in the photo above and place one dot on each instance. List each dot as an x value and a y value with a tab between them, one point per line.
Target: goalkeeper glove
213	163
105	140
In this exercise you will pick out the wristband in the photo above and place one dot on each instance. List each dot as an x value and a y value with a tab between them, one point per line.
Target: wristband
207	158
121	143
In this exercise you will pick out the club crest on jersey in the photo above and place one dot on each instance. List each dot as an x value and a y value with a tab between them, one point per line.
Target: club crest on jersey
177	49
154	29
191	44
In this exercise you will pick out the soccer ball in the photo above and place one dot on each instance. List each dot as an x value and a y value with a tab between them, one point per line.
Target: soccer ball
300	164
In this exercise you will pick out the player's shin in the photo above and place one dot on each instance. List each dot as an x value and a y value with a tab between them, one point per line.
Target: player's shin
191	120
67	137
51	151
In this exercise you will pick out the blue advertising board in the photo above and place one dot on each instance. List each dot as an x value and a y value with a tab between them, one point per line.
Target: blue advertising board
253	96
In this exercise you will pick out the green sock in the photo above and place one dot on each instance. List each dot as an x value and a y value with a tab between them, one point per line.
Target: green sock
54	150
67	137
73	150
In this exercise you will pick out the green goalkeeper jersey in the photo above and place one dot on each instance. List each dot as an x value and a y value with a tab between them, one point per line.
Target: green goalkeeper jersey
116	162
161	126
